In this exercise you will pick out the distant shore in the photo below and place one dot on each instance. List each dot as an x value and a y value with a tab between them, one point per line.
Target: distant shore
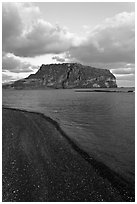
108	90
41	163
117	90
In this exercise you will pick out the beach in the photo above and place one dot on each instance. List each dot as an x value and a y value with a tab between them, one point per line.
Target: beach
42	164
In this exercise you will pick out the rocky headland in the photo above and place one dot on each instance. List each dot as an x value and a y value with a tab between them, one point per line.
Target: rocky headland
67	76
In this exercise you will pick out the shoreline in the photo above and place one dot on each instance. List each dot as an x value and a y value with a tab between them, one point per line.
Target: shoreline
29	129
106	91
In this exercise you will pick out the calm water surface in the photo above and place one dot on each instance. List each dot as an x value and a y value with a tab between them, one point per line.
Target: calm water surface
101	123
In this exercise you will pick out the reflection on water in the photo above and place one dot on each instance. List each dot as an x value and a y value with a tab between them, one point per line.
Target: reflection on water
101	123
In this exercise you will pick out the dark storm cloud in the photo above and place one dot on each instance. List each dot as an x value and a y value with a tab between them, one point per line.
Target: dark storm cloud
31	36
11	24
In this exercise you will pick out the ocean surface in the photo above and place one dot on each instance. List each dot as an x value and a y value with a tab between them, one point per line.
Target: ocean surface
101	123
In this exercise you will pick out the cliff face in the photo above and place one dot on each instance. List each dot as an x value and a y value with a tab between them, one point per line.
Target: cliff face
68	75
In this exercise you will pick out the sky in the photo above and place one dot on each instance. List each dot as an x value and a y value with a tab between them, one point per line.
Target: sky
99	34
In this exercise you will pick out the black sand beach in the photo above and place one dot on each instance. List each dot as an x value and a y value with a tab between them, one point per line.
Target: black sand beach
41	163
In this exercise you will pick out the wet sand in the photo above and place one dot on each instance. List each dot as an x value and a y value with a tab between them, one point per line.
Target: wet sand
41	163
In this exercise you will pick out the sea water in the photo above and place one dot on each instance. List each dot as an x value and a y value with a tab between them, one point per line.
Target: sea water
102	124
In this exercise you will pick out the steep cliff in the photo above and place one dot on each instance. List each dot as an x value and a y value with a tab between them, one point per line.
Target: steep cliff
68	75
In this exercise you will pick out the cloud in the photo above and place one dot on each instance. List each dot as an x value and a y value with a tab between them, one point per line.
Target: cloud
124	78
26	34
58	59
122	71
11	23
128	77
15	64
112	41
125	83
26	37
8	76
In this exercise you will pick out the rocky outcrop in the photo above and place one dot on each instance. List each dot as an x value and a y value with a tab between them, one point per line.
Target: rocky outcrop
67	76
